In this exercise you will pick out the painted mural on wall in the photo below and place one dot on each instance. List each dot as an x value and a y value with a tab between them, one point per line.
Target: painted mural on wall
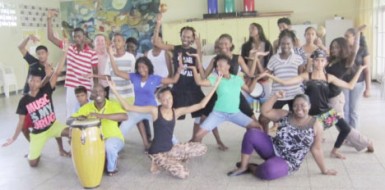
132	18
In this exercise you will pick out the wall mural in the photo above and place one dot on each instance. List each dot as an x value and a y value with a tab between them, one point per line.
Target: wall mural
132	18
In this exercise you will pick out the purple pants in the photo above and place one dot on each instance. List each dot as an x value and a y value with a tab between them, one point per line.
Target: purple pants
274	167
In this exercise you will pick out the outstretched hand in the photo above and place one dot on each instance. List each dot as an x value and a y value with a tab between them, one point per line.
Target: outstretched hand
361	28
52	13
159	18
197	39
254	53
34	38
330	172
280	94
262	75
9	142
362	67
48	69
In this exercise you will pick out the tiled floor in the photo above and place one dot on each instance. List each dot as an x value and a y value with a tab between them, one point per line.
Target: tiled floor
359	171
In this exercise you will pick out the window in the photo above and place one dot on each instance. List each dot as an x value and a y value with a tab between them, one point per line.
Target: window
380	34
8	17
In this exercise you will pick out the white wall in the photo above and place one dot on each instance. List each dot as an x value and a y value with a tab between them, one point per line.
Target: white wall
316	11
10	38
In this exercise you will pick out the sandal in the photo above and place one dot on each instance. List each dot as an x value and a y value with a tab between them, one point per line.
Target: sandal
237	173
238	164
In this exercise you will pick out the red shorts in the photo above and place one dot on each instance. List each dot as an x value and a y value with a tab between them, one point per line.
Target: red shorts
27	122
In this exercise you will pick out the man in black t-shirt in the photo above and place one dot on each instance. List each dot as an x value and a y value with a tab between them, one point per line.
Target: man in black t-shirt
185	92
38	64
38	105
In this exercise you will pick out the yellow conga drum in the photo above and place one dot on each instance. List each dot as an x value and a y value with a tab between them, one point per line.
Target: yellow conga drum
88	151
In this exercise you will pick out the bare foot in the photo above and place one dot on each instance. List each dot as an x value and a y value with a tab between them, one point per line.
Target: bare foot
113	173
370	148
222	146
154	168
64	153
338	155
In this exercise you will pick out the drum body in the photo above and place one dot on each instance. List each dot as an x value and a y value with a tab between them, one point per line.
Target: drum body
88	152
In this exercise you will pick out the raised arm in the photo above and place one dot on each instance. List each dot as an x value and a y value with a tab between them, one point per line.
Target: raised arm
292	81
198	79
157	40
268	111
201	104
342	84
255	62
114	66
17	131
169	63
317	152
356	45
198	44
209	68
367	74
60	65
51	37
22	46
175	78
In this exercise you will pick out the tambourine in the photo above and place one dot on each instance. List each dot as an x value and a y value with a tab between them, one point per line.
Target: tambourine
257	91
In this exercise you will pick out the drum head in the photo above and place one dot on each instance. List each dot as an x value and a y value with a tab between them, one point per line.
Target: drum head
85	123
257	91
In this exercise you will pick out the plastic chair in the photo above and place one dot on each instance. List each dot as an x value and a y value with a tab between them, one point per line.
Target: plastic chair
7	79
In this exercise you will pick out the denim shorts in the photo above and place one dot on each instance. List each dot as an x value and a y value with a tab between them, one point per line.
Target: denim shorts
215	118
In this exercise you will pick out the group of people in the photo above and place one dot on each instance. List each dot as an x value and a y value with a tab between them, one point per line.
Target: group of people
124	88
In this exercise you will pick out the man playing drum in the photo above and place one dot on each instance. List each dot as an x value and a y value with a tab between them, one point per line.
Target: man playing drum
38	104
110	113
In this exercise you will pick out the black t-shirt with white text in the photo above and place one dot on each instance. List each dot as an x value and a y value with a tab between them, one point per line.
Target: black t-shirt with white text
186	80
40	108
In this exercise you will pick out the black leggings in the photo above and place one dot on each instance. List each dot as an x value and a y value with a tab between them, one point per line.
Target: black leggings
344	129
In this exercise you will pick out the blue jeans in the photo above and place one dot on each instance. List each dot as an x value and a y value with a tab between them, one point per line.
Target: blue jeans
133	119
215	118
352	98
113	146
136	117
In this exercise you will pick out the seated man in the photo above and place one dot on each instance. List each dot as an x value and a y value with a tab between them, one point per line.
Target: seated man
39	106
110	113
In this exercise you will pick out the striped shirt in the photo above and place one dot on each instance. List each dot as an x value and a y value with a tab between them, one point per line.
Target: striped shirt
78	65
124	87
285	69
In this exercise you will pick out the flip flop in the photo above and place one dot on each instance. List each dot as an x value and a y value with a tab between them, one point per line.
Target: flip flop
237	173
238	164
